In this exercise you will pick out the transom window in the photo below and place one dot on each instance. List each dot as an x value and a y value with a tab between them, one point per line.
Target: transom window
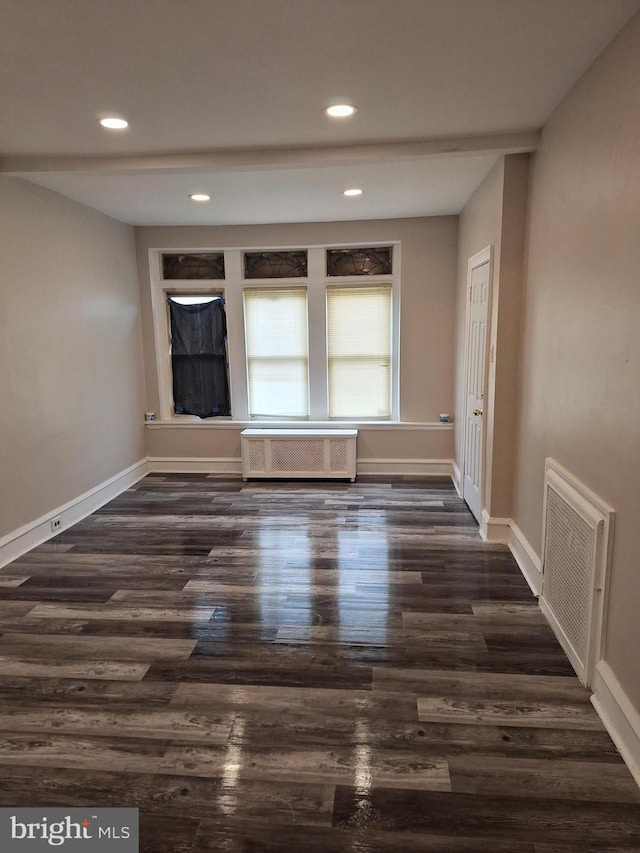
275	264
200	265
359	261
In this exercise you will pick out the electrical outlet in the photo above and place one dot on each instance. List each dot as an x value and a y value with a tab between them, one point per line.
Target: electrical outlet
56	523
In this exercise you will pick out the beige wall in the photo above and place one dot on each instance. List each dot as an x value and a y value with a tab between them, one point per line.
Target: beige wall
505	333
372	443
480	226
427	324
71	379
495	216
580	398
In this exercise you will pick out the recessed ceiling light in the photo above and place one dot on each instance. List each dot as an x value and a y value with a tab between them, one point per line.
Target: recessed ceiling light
352	193
114	123
340	110
200	197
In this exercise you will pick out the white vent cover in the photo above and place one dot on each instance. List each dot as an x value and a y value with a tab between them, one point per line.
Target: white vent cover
322	453
575	548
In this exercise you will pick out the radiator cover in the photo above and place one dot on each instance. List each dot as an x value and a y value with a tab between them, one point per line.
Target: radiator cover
575	554
296	453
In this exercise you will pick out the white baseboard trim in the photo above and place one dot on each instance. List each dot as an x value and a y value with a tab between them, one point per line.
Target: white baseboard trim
494	529
412	467
29	536
507	531
231	465
526	558
620	718
195	465
456	476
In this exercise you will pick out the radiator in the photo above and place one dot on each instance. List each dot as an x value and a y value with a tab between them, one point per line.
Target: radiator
294	453
577	536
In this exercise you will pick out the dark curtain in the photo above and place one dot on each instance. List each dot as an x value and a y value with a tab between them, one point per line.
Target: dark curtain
198	359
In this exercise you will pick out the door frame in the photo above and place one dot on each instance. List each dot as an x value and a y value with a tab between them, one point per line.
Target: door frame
482	257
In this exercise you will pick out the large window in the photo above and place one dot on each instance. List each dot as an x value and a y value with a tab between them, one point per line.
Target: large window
277	352
359	351
309	333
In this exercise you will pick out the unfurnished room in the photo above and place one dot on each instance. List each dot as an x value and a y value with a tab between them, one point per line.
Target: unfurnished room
320	442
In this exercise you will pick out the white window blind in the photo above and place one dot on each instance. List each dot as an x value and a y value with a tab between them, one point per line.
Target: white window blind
359	351
277	351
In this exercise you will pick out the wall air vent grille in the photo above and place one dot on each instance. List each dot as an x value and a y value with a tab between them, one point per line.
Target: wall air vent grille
574	560
568	566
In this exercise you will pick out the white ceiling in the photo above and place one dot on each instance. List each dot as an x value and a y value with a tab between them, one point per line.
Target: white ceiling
396	189
235	90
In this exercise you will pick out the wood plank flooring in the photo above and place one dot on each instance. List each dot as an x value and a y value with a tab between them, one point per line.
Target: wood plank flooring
303	667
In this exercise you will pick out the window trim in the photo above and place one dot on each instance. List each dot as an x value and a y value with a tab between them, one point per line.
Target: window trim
162	333
231	289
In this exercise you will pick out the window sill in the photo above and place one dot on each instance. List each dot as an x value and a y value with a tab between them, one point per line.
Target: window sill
230	423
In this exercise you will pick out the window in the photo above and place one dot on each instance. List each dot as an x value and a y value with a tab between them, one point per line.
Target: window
275	264
359	351
277	350
198	356
209	265
359	261
313	333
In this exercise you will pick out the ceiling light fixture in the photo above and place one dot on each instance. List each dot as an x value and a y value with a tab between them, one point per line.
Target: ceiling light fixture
114	123
199	197
340	110
352	193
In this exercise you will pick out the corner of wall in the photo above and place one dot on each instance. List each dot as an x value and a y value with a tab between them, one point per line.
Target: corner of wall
526	557
40	530
618	715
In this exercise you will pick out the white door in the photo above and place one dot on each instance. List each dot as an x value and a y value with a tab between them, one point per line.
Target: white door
474	387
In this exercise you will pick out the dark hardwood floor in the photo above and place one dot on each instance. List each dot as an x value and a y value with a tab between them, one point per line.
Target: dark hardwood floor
304	667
